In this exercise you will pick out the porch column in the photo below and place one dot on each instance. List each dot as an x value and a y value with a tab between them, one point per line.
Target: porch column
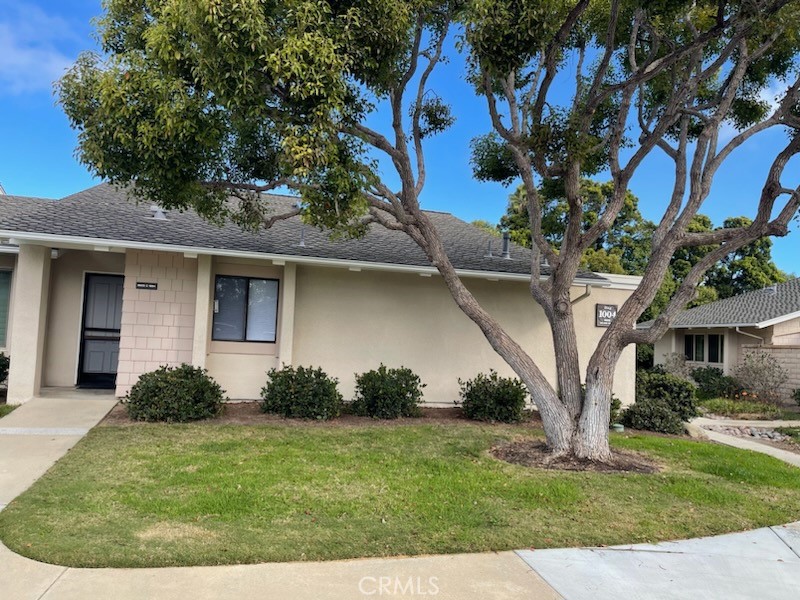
202	311
31	290
286	342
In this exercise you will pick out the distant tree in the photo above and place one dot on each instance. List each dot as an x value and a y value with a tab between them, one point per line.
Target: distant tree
749	268
624	248
487	227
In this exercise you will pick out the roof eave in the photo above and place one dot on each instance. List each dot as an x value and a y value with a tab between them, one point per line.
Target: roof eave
110	244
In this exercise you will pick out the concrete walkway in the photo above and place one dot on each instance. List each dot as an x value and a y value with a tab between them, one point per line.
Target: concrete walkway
761	564
746	443
41	431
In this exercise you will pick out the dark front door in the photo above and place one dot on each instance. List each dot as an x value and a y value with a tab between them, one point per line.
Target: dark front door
102	317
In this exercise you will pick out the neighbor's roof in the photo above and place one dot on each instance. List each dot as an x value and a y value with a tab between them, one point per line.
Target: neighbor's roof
760	309
106	215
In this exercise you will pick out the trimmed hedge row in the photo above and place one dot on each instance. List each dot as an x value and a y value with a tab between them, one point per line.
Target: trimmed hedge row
186	393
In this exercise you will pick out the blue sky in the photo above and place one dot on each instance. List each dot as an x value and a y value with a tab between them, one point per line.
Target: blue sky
41	38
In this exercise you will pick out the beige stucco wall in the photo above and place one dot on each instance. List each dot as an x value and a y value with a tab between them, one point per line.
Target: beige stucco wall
31	291
8	262
65	310
344	321
241	367
157	325
349	322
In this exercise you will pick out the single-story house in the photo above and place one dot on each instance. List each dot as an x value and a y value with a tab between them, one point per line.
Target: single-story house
718	334
96	290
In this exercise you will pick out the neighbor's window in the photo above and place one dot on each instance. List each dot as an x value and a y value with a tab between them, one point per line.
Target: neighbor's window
245	309
5	296
695	348
716	348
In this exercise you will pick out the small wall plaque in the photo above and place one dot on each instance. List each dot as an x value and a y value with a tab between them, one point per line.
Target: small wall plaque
605	314
144	285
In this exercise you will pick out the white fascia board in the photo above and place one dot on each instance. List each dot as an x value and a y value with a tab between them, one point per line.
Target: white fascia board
776	320
622	282
714	326
65	241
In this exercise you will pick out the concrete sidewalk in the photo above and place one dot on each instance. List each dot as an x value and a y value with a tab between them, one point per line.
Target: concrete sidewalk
41	431
496	576
762	564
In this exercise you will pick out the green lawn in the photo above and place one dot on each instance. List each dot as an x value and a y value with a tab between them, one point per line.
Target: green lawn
748	409
6	409
156	495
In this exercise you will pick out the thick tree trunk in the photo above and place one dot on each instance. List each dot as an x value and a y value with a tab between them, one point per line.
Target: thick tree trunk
565	346
591	435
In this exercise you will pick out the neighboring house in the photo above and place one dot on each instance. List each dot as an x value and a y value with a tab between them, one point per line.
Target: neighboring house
102	290
720	333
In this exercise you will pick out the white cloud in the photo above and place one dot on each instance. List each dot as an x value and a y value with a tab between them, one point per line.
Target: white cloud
35	48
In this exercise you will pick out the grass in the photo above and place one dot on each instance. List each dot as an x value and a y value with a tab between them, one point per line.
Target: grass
6	409
750	409
159	495
792	432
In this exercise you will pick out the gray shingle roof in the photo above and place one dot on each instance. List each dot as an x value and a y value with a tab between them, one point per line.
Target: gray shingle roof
105	212
749	309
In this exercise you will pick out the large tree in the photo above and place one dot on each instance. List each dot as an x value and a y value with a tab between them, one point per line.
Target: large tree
195	101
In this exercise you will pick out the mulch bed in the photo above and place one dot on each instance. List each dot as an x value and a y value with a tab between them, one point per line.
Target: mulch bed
534	453
249	413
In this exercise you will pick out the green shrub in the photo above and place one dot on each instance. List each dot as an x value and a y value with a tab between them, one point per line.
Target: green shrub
388	393
713	383
644	356
493	398
5	362
616	406
652	414
174	395
676	393
796	396
301	393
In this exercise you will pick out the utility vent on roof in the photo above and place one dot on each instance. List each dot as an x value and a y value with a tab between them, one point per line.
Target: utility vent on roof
157	213
771	290
2	190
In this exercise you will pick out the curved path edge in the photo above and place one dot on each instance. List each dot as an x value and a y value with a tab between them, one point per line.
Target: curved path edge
763	563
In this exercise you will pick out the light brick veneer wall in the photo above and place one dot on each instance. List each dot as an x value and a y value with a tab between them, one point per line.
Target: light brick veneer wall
789	358
157	325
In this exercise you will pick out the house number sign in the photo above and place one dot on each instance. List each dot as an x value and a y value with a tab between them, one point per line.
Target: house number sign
144	285
605	314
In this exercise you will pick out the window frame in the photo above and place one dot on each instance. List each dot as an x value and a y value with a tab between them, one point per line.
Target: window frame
247	279
705	343
4	342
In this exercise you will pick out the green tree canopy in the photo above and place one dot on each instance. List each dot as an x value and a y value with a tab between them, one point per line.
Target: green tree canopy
626	246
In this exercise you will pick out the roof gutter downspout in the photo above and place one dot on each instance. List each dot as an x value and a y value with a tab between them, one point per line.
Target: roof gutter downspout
585	294
758	337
